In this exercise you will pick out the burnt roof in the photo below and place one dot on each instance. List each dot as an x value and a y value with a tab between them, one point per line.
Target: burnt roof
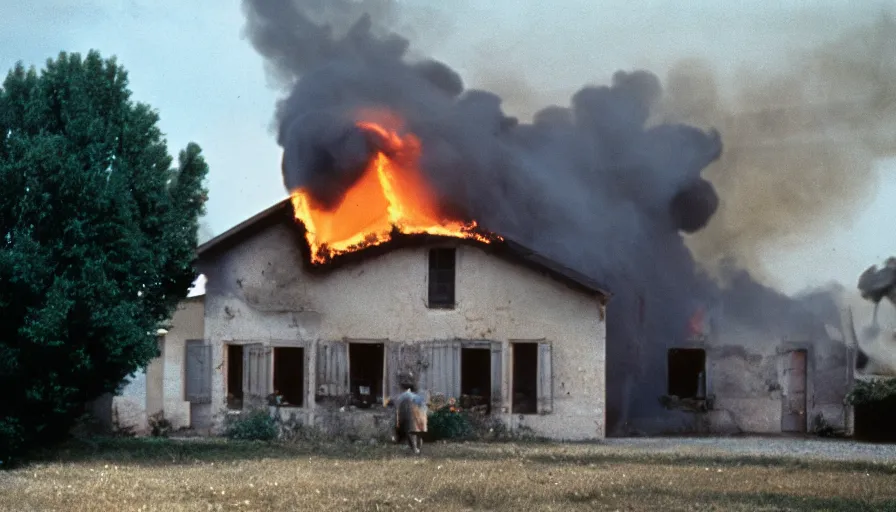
282	212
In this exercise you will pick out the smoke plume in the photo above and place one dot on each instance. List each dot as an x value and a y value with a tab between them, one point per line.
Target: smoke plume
607	184
800	146
576	169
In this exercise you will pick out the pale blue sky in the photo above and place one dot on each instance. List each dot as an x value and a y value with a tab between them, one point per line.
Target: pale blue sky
188	60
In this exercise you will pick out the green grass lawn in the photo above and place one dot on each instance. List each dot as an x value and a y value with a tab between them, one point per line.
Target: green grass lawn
159	474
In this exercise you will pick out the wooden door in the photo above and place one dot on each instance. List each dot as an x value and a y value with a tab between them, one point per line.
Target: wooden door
793	413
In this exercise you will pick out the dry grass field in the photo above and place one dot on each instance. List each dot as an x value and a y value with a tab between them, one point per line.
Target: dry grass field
157	474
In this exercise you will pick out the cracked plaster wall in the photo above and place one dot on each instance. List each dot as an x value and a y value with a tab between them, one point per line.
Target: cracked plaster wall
258	291
746	374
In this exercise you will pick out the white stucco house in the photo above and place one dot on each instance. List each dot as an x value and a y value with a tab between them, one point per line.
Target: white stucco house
497	322
159	390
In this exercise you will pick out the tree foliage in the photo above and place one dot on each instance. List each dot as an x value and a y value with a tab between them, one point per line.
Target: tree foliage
97	241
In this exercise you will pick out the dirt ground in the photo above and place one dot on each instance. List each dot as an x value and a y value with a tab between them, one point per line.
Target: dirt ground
159	474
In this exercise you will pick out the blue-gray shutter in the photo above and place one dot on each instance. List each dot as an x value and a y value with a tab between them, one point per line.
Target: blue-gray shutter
443	375
403	356
394	353
545	379
257	383
198	372
497	377
332	368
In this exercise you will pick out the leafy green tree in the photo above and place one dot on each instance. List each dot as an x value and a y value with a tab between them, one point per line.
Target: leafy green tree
97	241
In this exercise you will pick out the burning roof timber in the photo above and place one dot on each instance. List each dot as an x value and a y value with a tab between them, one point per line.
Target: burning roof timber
495	245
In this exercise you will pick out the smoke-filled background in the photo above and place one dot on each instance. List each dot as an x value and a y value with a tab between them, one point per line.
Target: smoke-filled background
209	84
610	181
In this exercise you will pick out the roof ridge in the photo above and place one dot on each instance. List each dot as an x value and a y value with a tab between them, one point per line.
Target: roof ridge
504	247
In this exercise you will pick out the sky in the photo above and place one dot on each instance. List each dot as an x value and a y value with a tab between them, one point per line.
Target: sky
190	61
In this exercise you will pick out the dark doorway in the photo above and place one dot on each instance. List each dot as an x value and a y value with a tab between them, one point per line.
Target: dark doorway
365	362
687	370
476	377
289	375
525	378
234	377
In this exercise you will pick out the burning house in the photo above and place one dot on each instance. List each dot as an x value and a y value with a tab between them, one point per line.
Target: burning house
427	229
324	304
778	366
328	326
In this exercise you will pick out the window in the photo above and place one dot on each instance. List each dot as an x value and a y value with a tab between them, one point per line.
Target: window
365	363
470	371
234	376
441	277
289	375
532	387
687	372
476	377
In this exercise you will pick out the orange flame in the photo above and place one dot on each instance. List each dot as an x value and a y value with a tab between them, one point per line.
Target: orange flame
391	194
696	324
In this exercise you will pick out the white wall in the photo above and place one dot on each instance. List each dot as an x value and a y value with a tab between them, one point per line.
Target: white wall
129	406
260	292
188	323
745	373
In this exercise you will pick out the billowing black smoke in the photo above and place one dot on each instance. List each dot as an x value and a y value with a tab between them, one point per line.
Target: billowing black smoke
479	160
591	184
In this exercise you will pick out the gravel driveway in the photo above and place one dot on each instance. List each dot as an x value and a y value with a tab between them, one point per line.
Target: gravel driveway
759	446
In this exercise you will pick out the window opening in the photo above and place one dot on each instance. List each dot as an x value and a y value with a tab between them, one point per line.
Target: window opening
687	372
476	378
289	375
525	378
234	376
366	373
442	277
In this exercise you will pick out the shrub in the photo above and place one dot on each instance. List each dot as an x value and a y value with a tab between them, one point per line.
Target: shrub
449	422
159	425
877	390
257	425
821	428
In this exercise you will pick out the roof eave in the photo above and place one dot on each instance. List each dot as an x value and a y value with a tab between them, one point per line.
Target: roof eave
224	238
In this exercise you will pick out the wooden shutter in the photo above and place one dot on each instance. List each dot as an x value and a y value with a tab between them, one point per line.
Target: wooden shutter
444	369
407	357
310	361
421	359
497	349
332	368
198	372
393	367
545	379
257	383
